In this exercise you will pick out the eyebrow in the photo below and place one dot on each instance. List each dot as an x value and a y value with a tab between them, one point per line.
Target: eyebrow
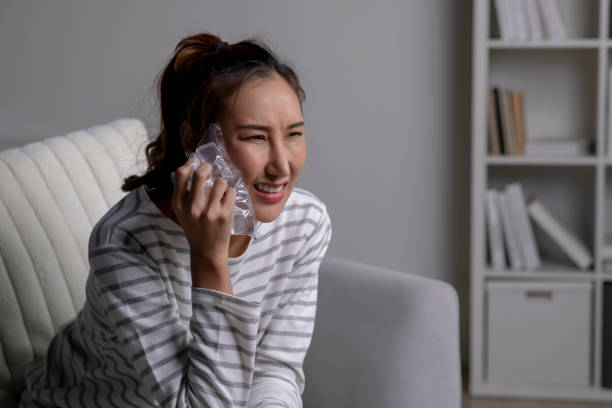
267	128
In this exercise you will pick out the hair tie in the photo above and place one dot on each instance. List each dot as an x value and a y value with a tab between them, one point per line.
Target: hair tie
219	45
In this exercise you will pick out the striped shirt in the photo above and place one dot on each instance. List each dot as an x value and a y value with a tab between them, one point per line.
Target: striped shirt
147	337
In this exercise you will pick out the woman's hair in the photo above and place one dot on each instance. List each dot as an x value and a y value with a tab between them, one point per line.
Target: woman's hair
193	87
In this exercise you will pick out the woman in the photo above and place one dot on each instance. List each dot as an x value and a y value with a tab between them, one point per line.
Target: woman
179	312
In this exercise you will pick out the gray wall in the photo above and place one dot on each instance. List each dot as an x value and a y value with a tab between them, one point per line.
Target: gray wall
387	108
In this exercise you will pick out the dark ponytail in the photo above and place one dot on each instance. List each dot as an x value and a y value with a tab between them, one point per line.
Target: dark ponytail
201	74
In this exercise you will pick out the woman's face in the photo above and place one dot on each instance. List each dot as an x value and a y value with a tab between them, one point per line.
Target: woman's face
263	128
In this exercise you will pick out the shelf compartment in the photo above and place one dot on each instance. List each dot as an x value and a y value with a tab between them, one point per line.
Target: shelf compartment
568	193
581	19
552	112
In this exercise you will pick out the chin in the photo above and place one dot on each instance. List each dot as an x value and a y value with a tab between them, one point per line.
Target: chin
268	212
267	215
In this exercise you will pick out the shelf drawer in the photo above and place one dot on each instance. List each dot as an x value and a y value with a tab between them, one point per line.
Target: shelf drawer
539	333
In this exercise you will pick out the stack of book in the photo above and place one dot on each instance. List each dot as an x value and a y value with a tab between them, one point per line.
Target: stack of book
510	231
507	132
520	19
506	122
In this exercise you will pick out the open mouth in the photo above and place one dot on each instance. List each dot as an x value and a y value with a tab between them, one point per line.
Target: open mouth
270	193
264	188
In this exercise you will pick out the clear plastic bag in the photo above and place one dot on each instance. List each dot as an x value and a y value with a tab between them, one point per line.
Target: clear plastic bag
211	149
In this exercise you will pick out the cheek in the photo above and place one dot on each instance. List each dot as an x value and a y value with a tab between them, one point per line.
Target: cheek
299	156
247	159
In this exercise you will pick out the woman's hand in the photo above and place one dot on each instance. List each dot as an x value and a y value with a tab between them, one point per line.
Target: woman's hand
207	223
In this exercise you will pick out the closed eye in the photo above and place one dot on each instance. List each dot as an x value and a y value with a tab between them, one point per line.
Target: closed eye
255	137
295	134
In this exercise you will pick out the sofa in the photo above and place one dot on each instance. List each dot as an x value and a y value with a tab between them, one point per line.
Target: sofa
382	338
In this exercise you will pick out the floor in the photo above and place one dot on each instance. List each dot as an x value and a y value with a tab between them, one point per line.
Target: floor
469	402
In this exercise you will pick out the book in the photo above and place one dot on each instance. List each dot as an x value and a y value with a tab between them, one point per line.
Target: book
518	213
496	244
518	118
494	146
510	233
554	147
498	114
502	12
573	247
533	18
519	15
553	19
507	122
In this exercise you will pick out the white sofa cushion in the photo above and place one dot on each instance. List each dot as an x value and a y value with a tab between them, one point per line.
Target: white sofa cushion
51	194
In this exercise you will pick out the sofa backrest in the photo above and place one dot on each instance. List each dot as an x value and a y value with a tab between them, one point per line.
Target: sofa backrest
51	195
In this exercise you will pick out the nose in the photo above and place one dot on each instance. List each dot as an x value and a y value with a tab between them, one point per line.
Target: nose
278	162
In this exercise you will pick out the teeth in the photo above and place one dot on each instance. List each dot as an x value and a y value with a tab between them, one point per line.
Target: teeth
267	189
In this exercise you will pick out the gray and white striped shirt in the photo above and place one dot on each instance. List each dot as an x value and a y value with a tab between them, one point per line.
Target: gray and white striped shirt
146	337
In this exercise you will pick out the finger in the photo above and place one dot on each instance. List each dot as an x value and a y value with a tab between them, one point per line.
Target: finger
228	200
196	195
216	194
180	184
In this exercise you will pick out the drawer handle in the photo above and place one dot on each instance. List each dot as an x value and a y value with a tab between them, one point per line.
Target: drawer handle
539	294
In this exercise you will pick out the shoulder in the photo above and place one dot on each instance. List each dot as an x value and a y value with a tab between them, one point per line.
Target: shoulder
311	218
301	196
303	204
122	217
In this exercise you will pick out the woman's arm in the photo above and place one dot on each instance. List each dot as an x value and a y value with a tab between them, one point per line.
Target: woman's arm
278	379
210	363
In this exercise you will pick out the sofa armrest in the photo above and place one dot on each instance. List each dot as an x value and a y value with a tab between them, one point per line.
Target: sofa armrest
383	339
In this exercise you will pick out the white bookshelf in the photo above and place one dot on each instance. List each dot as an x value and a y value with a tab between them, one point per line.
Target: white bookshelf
565	83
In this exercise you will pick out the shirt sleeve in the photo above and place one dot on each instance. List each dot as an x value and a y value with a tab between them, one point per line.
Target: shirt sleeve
278	379
208	363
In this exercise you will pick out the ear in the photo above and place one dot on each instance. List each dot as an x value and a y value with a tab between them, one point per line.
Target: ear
188	138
